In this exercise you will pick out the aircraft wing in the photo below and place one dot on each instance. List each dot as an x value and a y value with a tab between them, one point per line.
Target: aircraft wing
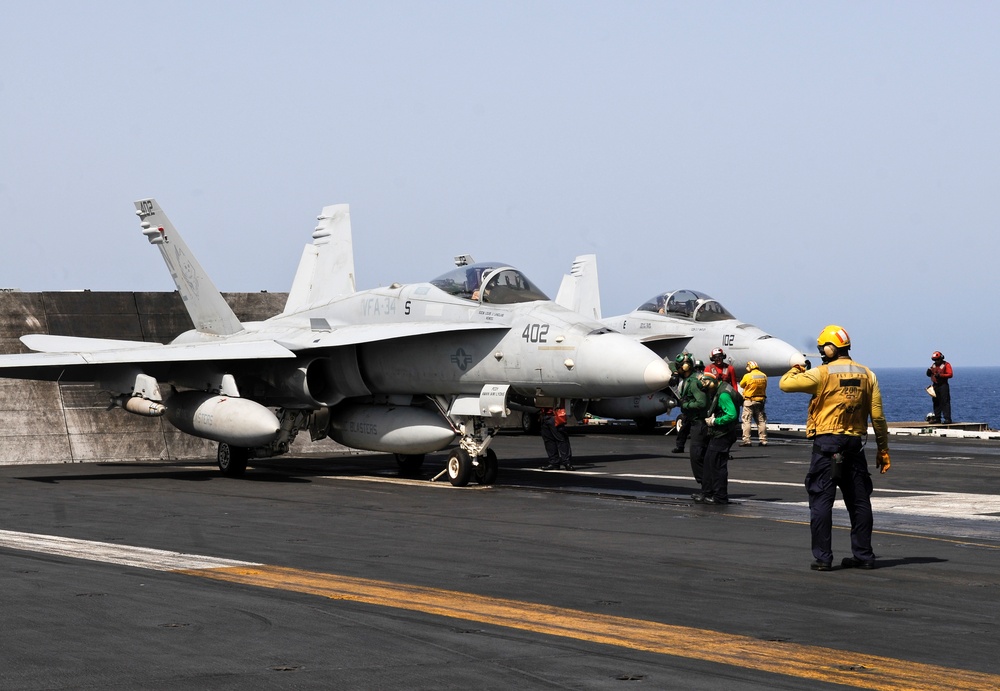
51	366
46	343
68	357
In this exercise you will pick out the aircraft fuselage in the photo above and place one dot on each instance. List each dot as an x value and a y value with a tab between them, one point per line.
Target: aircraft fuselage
538	348
742	342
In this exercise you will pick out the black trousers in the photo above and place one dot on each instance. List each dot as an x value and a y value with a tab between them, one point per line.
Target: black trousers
855	483
556	441
942	403
699	443
715	482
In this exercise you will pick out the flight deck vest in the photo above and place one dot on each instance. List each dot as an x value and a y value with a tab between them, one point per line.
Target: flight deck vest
844	402
756	385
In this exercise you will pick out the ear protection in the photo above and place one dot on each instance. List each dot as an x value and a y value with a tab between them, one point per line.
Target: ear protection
829	350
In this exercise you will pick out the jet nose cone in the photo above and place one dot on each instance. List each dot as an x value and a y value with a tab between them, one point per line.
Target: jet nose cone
656	374
611	364
775	357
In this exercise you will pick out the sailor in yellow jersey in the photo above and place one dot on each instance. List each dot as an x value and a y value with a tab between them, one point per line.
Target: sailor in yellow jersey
753	386
845	395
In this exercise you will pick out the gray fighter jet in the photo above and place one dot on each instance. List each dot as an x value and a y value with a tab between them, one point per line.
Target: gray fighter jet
670	323
407	369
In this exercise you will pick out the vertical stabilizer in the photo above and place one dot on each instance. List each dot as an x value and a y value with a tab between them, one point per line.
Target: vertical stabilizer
326	270
579	290
209	311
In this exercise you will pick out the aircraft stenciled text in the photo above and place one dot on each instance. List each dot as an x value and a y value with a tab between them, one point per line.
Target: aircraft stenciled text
535	333
378	306
146	207
491	315
369	428
729	339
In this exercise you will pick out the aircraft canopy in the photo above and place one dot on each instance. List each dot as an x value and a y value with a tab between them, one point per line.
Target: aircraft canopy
687	304
489	282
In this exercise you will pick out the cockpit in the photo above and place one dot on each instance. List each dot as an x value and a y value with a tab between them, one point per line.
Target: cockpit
687	304
489	282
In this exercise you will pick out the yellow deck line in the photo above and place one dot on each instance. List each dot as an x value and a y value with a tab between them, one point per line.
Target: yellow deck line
802	661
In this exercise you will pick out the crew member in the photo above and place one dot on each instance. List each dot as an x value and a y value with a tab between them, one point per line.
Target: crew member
694	404
555	437
684	371
845	395
722	425
699	433
754	388
720	368
940	372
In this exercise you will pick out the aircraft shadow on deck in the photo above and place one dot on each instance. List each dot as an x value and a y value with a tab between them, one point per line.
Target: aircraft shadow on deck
186	474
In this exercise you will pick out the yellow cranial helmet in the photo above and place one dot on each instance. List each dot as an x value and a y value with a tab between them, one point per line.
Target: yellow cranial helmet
751	365
835	336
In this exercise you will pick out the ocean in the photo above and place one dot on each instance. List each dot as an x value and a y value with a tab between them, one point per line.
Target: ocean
974	396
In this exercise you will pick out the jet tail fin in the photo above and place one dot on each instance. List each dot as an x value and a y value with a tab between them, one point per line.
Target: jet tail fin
209	311
579	290
326	270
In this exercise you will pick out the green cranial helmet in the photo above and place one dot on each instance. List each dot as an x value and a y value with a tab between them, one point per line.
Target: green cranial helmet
684	362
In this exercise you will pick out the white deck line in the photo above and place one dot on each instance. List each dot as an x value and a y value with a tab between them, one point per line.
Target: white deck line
109	553
927	431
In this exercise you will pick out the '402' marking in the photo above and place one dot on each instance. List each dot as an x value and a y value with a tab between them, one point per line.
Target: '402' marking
535	333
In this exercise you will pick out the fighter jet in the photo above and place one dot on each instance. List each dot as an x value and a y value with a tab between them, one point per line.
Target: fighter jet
407	369
670	323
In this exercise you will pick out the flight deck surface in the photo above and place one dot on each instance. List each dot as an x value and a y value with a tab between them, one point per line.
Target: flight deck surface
337	573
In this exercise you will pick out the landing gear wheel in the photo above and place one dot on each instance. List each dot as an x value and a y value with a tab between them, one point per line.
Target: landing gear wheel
232	459
409	464
488	468
530	423
646	425
459	467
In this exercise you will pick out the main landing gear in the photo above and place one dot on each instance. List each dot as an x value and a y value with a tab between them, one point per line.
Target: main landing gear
473	459
409	464
463	467
232	459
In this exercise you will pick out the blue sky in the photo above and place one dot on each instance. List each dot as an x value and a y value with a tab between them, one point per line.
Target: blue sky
804	163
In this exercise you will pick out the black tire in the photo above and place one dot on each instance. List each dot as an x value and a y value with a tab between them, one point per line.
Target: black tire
232	459
459	467
646	425
530	423
409	464
488	469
